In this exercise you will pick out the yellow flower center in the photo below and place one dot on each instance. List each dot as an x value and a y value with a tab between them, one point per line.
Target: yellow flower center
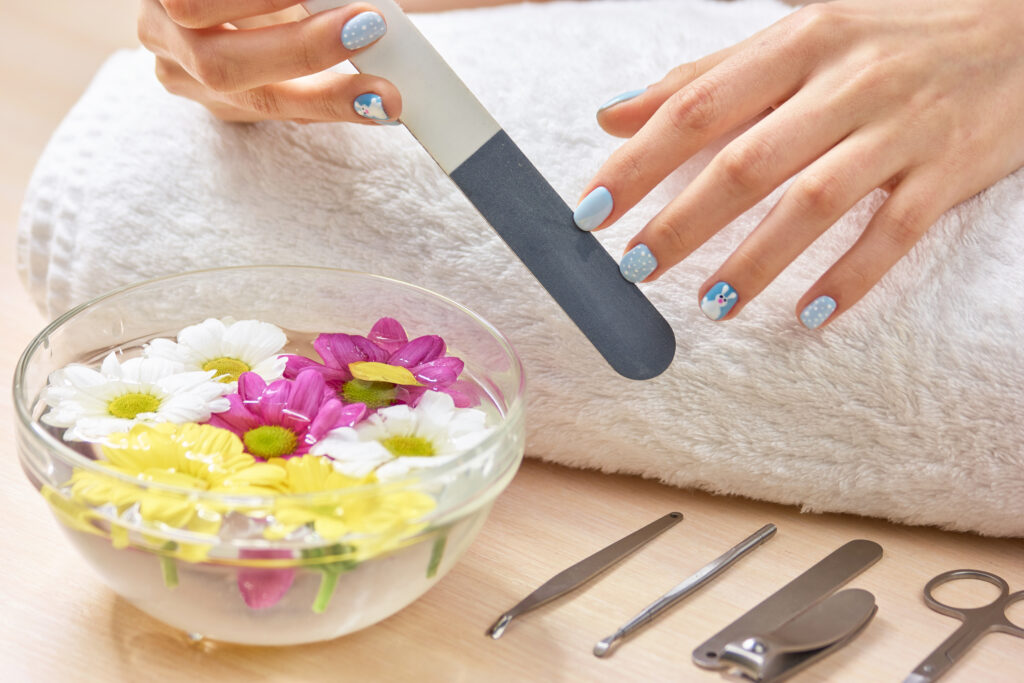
373	394
225	369
401	446
127	406
270	441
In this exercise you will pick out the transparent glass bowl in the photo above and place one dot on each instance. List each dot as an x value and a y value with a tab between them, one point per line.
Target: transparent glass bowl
335	587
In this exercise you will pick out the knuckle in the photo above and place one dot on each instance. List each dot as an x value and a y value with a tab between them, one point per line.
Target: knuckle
903	227
747	166
211	69
187	13
753	267
818	195
168	76
675	241
696	107
263	101
812	21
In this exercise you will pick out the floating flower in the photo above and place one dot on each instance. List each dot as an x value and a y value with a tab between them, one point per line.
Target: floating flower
285	418
401	438
92	404
226	347
188	456
383	368
376	519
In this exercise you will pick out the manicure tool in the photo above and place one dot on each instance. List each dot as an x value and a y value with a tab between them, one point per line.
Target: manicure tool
814	633
690	585
799	608
978	621
498	179
584	570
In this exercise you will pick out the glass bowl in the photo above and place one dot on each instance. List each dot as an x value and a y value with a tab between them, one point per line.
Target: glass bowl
195	580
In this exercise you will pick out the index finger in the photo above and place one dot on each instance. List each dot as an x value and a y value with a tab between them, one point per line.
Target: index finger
733	92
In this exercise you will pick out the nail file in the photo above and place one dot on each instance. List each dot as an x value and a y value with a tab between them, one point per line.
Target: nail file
515	199
813	585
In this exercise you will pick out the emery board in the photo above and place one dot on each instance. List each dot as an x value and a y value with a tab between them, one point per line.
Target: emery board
515	199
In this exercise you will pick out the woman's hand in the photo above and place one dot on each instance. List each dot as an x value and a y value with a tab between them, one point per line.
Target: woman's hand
923	98
248	60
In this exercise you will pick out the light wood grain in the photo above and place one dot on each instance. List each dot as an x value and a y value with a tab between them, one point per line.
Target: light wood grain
60	624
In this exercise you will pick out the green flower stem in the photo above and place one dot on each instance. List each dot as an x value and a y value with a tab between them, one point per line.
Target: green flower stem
436	553
169	568
327	585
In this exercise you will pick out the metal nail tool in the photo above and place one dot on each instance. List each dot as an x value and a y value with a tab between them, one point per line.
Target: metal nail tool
816	632
689	585
978	621
795	616
584	570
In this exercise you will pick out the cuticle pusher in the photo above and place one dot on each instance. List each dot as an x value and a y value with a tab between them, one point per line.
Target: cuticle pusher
686	587
584	570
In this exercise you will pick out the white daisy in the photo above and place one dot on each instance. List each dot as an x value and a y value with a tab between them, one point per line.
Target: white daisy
227	347
91	404
397	439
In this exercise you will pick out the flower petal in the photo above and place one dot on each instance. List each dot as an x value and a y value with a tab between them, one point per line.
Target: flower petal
264	587
418	351
388	334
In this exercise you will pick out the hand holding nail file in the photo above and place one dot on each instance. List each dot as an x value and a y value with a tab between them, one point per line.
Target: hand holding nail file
470	146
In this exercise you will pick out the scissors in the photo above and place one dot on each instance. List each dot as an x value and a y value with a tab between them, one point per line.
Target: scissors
978	621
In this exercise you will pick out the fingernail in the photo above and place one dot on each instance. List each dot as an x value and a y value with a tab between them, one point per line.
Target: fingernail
719	301
369	106
594	208
362	29
619	99
818	311
638	263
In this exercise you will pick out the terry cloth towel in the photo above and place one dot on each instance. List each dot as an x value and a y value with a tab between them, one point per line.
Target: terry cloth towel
909	407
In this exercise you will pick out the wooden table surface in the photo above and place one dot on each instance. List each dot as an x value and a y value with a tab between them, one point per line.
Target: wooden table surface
61	624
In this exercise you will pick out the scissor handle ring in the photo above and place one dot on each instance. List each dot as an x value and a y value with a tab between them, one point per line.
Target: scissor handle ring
954	575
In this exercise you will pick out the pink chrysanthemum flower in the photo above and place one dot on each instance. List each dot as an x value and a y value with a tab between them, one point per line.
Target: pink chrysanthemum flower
285	418
356	367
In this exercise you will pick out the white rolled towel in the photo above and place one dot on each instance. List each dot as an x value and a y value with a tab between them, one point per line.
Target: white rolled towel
909	407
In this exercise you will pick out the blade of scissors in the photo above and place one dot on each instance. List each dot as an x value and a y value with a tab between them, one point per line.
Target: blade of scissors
945	655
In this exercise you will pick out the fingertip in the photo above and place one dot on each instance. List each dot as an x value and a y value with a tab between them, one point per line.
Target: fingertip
817	312
593	209
624	114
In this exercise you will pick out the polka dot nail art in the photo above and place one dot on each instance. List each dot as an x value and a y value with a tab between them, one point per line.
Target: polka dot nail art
818	311
362	29
638	263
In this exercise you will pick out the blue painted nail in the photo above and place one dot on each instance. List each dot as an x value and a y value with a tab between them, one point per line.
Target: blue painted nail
594	208
818	311
719	301
638	263
619	99
362	29
369	105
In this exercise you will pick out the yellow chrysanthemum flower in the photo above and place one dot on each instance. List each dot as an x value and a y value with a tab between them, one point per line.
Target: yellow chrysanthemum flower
188	456
337	512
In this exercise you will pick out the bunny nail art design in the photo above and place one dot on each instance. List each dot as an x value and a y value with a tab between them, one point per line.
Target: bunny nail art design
370	106
719	301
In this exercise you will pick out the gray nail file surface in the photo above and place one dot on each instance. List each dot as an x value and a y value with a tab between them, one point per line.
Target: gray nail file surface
497	178
571	264
835	570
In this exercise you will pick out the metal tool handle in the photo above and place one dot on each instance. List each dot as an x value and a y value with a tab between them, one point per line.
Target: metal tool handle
437	107
687	586
586	569
826	576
